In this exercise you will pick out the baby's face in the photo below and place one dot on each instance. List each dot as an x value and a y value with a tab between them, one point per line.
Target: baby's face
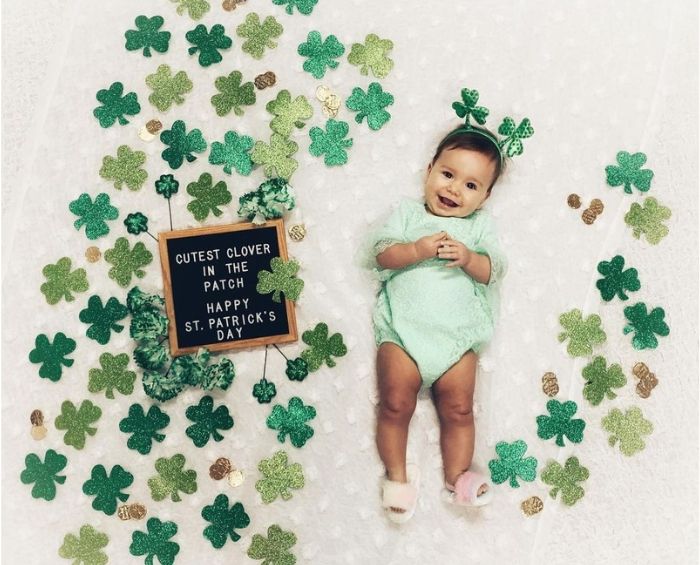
457	182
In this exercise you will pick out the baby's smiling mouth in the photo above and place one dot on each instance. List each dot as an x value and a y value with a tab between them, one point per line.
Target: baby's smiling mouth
448	202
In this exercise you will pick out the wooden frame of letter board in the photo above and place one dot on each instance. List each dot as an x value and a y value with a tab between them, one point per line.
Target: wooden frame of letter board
175	349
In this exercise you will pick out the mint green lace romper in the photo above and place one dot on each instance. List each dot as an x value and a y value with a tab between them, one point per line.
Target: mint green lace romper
435	313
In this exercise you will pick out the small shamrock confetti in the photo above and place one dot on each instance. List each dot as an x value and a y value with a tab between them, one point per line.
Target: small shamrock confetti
234	152
274	549
512	144
278	477
61	282
370	105
114	105
147	36
467	107
155	543
77	422
648	220
292	421
182	144
320	54
628	429
582	334
616	279
560	424
282	278
511	464
103	319
136	223
113	375
645	325
195	8
207	421
172	478
372	56
233	94
52	355
208	43
125	169
304	6
167	185
264	391
297	369
331	142
564	479
127	261
207	197
107	489
167	89
44	474
224	520
600	380
323	348
630	172
289	113
86	549
257	35
93	215
276	158
144	427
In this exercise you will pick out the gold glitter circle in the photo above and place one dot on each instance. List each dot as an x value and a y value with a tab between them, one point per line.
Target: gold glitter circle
38	432
220	468
574	201
297	232
264	80
597	206
36	418
640	370
550	386
137	511
145	135
93	254
532	505
588	216
235	478
153	126
323	92
123	512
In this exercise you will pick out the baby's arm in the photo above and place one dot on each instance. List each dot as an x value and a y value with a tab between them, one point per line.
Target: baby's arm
474	264
478	267
402	255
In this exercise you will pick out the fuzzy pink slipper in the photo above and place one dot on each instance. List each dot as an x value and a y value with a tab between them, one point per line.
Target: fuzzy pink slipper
465	488
401	495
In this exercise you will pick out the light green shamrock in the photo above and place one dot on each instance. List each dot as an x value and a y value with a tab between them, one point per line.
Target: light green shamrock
275	549
630	172
112	375
232	95
276	157
61	282
77	422
648	220
195	8
628	429
258	36
125	169
564	480
281	279
172	479
289	114
372	55
86	549
207	197
234	152
278	477
582	334
127	261
601	380
323	348
167	89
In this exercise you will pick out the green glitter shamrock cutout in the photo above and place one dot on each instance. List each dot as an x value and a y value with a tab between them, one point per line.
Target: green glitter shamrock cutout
322	347
467	107
560	424
208	43
616	279
136	223
297	369
93	215
648	220
207	421
564	480
52	355
630	172
370	105
372	55
127	261
278	477
264	391
77	422
155	543
207	197
645	325
195	8
147	36
600	380
125	169
107	489
274	549
257	35
103	319
86	549
332	142
304	6
167	185
44	474
511	464
276	157
182	144
172	479
114	105
320	54
224	520
61	282
233	94
512	143
628	429
233	153
143	427
167	89
289	113
281	278
112	375
582	334
292	421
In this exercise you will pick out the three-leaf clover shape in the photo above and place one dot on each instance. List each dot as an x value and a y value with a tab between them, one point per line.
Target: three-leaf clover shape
292	421
233	153
648	220
323	348
372	55
86	549
259	35
232	94
331	142
629	172
147	36
93	215
195	8
113	375
560	423
224	520
208	43
167	89
77	422
125	169
52	355
127	261
281	278
207	197
645	325
182	145
467	108
628	429
144	427
108	488
616	279
288	113
61	282
600	380
273	549
564	479
582	334
304	6
114	105
44	474
370	105
276	158
513	143
172	479
156	542
320	53
278	478
103	319
511	464
207	421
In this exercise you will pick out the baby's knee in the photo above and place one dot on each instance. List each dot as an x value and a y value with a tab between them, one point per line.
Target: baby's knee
397	407
455	412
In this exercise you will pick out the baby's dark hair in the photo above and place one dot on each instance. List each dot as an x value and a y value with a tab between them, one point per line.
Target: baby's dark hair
460	138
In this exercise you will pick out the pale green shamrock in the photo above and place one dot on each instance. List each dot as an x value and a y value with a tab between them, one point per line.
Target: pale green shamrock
233	94
564	480
195	8
628	429
582	334
167	89
127	261
273	550
282	278
61	282
207	197
372	56
276	157
259	36
648	220
278	478
112	375
289	113
86	549
125	169
77	422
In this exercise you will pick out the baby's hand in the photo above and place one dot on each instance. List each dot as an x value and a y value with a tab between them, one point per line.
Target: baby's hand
455	250
427	246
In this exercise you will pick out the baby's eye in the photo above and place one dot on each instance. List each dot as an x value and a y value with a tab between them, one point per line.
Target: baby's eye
447	174
471	186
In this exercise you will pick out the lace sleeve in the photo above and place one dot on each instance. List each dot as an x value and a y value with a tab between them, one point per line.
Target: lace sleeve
381	238
487	244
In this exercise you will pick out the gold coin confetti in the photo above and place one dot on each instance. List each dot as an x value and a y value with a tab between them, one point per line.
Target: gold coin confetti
235	477
230	5
597	206
153	126
264	80
647	380
220	468
38	432
532	505
589	216
93	254
550	386
36	418
297	232
135	511
574	201
322	92
123	512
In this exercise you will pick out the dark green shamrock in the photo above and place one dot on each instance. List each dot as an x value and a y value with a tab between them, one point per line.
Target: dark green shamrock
172	478
322	347
195	8
560	424
276	158
292	421
61	282
147	36
648	220
600	381
167	89
467	108
224	520
182	144
207	197
77	422
125	169
564	480
278	477
103	319
136	223
45	474
616	279
320	54
264	391
207	421
155	543
372	56
297	369
280	278
232	95
208	43
275	549
86	549
143	427
288	113
370	105
257	35
331	142
513	144
304	6
114	105
167	185
628	429
645	325
630	172
127	261
582	334
52	355
234	152
107	489
113	375
511	464
93	215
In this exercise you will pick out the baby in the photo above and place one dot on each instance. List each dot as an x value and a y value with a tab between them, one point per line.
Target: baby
440	265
